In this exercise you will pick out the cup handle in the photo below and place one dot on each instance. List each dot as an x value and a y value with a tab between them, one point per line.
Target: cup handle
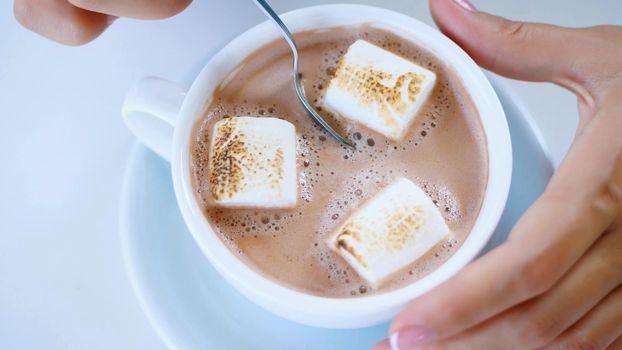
150	112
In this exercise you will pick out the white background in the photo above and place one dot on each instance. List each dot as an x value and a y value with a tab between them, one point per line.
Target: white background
63	149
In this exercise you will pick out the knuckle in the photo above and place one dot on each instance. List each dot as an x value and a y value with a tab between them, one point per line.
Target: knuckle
615	185
534	277
608	198
602	200
581	343
541	330
516	31
456	313
607	258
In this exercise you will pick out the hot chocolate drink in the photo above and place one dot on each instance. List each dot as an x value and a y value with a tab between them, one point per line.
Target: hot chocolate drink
444	152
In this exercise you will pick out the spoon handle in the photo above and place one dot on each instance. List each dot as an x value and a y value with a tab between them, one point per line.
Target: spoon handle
267	9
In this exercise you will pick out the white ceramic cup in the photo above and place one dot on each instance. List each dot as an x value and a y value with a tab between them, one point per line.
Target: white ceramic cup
161	114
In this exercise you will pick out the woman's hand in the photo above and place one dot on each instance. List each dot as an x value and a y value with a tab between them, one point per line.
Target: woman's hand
76	22
557	282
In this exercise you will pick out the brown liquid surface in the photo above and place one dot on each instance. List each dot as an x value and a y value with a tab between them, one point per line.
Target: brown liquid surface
444	152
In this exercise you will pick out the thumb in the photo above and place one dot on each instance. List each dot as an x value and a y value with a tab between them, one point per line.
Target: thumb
525	51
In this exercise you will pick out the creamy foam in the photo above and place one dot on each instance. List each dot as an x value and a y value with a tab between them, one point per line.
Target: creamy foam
444	153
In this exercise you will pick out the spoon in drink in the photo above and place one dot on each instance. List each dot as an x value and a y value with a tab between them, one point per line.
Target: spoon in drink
263	4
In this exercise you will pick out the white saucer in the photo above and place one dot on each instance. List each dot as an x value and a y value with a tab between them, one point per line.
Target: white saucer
192	307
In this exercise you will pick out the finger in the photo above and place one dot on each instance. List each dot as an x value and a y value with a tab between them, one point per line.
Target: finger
526	51
143	9
383	345
60	21
512	273
539	321
582	201
599	329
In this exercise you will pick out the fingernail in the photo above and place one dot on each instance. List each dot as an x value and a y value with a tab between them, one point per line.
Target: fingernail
409	337
466	4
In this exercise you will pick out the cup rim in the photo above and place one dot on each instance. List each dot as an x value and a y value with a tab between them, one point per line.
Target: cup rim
270	293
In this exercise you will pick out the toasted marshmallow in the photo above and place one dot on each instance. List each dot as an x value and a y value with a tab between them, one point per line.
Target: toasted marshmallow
389	232
378	89
253	163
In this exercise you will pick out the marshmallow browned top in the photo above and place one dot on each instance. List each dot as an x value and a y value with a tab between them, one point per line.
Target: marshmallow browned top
369	84
402	224
393	229
378	88
252	162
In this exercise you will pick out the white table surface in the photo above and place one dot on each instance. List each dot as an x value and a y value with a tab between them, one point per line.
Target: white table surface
63	149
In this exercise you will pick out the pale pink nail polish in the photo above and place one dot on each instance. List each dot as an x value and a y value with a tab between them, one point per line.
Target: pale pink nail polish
409	337
466	4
